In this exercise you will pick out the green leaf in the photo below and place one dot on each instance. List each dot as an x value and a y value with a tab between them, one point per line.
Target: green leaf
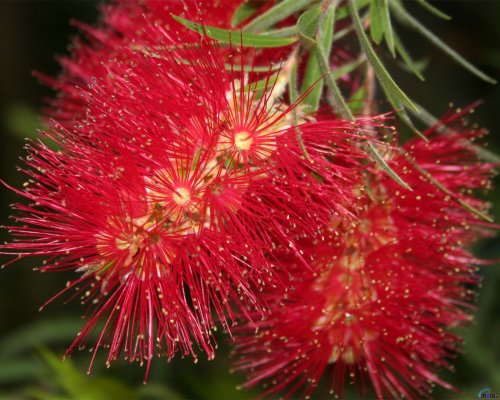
407	19
276	14
343	12
408	60
242	13
376	24
281	32
326	29
307	25
312	76
386	21
312	73
236	37
434	10
393	91
380	26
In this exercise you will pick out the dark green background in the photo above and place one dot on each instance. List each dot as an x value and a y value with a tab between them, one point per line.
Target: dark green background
31	34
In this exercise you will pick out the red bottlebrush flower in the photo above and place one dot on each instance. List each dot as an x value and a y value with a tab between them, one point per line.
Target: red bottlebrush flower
170	195
385	290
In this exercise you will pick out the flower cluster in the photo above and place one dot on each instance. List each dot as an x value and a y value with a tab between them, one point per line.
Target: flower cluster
173	189
189	188
385	289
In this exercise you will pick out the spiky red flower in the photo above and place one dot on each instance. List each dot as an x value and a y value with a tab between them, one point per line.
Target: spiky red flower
386	289
170	195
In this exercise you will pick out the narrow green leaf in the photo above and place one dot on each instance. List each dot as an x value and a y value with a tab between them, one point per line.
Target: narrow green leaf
312	76
307	25
287	31
390	87
326	29
343	12
392	90
434	10
376	24
236	37
312	73
408	60
293	92
242	13
276	14
406	18
386	21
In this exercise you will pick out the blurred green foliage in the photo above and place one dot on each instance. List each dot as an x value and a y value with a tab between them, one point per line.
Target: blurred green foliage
31	33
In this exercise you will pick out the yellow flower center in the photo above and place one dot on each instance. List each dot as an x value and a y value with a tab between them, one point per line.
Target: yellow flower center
242	140
182	196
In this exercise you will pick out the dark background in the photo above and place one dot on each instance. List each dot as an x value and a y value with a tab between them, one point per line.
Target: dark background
31	34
